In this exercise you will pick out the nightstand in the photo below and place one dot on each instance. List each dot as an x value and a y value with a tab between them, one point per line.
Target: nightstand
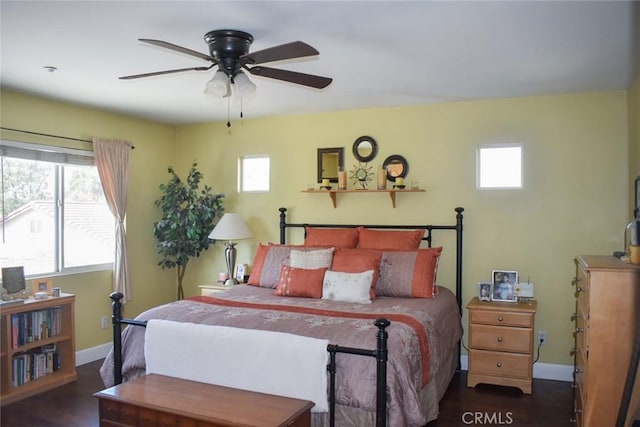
212	288
501	343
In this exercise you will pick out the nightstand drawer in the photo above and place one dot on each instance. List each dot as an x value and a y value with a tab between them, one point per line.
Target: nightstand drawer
500	338
504	318
500	364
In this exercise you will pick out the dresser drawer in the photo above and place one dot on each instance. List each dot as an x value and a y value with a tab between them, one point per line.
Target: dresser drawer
511	365
504	318
581	332
501	338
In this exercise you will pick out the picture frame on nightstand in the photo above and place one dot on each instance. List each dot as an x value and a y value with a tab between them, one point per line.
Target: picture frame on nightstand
240	272
484	291
503	282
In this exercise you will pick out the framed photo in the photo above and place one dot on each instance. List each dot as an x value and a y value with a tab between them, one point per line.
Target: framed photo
484	291
13	283
504	282
240	272
42	285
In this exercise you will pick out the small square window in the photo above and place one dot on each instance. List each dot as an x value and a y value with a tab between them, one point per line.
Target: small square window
254	173
499	166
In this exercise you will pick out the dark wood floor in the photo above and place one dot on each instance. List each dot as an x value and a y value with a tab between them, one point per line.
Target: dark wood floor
549	406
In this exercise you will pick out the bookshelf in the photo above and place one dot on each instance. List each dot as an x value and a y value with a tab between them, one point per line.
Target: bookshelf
31	335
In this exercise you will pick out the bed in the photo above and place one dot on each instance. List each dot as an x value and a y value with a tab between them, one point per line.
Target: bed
281	295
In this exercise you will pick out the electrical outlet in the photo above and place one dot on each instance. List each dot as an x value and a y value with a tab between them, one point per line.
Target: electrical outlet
542	336
104	322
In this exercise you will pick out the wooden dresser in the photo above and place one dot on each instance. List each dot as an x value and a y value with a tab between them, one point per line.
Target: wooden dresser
501	343
156	400
606	318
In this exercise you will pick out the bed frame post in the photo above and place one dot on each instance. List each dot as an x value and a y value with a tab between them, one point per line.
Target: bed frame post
116	317
459	228
283	224
381	378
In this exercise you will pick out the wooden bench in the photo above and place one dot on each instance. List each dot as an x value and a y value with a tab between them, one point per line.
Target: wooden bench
157	400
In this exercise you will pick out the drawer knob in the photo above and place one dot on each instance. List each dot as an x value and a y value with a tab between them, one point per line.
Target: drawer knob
500	319
579	370
499	365
575	281
579	330
578	411
573	351
499	339
580	289
574	316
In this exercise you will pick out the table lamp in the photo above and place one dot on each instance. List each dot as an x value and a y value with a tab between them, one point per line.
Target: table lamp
230	227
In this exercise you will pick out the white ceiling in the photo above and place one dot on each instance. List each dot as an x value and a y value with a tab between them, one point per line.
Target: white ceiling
379	53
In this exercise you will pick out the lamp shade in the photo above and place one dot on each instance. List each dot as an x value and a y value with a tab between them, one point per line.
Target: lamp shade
230	227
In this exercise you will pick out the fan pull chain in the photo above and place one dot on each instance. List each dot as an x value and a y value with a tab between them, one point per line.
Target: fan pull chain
228	111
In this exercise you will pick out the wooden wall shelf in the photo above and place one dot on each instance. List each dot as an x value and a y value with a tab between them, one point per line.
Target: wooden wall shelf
392	193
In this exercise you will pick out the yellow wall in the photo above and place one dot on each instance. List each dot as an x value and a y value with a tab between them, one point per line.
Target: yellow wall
575	198
634	136
153	153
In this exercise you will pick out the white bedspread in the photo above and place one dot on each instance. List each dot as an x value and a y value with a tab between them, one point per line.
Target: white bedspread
263	361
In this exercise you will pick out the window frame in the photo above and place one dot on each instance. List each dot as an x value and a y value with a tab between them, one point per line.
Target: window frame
241	166
479	166
59	157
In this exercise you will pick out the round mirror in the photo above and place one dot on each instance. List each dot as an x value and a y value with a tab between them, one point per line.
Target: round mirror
396	167
365	149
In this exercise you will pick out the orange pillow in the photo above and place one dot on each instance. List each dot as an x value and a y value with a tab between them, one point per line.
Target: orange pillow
409	273
300	282
266	264
358	261
336	237
381	239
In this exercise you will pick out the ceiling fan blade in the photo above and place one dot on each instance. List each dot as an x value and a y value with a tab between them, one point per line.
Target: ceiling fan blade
311	80
177	48
290	50
159	73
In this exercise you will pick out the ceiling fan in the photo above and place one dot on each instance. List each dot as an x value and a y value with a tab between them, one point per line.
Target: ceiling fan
229	50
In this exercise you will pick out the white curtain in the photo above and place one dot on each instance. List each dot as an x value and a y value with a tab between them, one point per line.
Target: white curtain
112	161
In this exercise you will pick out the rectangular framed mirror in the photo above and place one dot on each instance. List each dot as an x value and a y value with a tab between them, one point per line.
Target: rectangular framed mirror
330	161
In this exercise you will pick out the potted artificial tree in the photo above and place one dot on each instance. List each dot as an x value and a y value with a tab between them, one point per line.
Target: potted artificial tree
188	216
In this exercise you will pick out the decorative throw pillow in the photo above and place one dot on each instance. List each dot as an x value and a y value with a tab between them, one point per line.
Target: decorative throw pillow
357	261
409	273
336	237
347	287
300	282
384	239
265	270
316	258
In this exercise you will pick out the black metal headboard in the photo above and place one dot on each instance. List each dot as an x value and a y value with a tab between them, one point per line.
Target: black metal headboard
428	238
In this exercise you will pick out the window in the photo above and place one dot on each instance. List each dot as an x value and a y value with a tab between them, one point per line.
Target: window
499	166
54	215
254	173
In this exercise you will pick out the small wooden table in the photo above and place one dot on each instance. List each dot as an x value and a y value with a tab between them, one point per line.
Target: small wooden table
157	400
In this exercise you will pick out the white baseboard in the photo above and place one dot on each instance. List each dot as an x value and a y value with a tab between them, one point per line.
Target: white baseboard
92	354
543	371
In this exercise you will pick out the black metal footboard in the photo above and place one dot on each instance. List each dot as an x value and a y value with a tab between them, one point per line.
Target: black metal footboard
380	353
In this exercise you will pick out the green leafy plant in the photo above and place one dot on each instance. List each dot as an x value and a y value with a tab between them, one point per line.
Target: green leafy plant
188	216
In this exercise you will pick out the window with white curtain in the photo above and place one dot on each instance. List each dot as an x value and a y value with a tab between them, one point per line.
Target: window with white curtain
54	215
499	166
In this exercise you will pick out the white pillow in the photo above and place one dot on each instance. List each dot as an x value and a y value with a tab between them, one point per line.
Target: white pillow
311	259
347	287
